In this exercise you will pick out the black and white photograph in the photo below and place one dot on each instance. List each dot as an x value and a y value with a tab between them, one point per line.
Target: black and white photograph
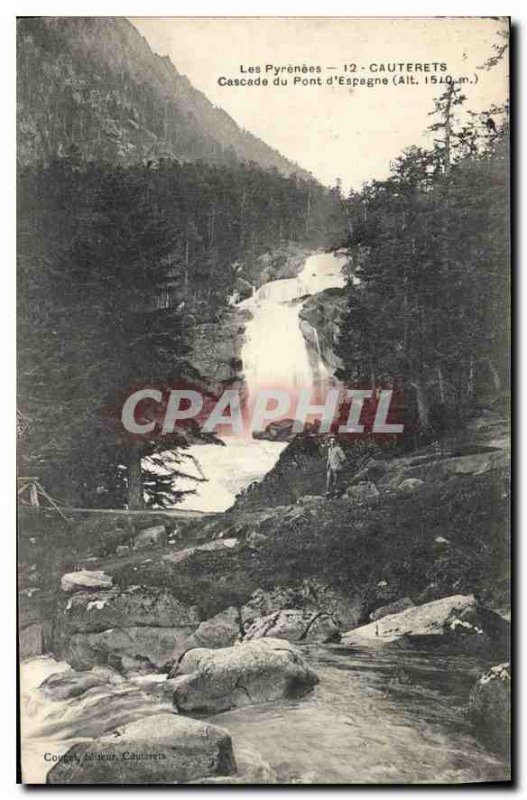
263	488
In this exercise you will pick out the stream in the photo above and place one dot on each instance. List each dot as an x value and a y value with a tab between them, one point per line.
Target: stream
377	716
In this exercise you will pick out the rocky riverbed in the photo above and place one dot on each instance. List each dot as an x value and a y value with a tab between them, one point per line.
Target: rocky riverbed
375	623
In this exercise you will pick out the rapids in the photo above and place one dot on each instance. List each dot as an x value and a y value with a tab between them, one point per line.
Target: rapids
377	716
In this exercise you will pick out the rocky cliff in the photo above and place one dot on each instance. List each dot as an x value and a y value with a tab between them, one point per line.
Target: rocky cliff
320	321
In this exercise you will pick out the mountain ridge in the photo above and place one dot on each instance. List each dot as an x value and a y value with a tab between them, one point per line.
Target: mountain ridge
92	88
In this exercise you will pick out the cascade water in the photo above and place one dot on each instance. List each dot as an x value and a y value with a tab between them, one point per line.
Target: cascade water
275	355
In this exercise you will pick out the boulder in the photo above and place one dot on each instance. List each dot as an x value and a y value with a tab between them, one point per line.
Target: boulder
489	707
372	472
362	492
189	662
114	608
312	501
160	749
459	617
63	685
477	463
218	544
31	640
391	608
252	672
85	579
131	650
281	431
222	630
150	537
313	595
295	625
256	539
409	484
250	769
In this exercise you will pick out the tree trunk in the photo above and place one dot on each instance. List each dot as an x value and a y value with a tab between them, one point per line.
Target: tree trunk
422	403
186	259
212	223
470	379
448	127
441	384
308	212
372	377
495	376
135	480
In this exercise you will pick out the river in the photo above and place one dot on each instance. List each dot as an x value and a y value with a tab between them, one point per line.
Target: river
377	716
275	354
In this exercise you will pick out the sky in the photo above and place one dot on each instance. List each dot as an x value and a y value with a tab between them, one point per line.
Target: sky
352	133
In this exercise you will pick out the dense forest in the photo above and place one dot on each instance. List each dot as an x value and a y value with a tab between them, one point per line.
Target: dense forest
430	249
116	265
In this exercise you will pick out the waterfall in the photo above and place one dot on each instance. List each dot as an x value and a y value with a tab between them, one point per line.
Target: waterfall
275	355
316	341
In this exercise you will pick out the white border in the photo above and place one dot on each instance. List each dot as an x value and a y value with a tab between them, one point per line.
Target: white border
371	8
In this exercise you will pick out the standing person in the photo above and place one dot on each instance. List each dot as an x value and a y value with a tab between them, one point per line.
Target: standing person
334	463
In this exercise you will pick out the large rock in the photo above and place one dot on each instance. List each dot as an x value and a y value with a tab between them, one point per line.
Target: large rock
67	684
281	431
313	595
253	672
136	628
320	322
391	608
131	650
151	537
373	471
489	707
409	484
182	555
31	640
116	607
362	492
459	617
477	463
222	630
161	749
295	625
189	662
85	579
250	769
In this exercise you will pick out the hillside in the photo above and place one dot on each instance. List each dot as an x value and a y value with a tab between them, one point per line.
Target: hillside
412	527
92	88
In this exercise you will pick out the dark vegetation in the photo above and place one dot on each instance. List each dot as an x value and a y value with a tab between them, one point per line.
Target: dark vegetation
337	543
430	248
119	256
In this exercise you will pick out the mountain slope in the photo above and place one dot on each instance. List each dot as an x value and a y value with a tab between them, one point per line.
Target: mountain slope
92	88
